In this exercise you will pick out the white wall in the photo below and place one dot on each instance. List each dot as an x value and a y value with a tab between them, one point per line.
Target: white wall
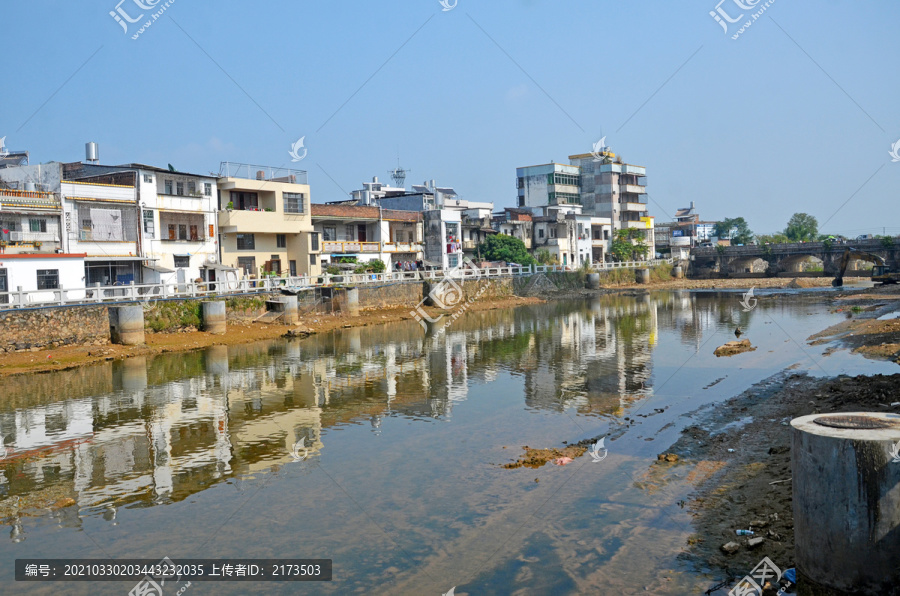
23	272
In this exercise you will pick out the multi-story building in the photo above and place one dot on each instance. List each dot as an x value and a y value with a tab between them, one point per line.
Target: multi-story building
475	231
101	221
265	221
518	223
443	246
554	186
29	221
368	233
617	190
177	228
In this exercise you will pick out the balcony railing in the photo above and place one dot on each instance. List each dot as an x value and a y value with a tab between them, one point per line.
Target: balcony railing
333	246
254	172
403	247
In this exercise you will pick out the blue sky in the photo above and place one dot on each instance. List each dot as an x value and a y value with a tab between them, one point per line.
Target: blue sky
797	114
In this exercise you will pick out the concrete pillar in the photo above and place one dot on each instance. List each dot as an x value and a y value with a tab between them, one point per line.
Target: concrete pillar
846	501
126	325
287	305
677	272
593	281
213	314
291	310
353	302
642	276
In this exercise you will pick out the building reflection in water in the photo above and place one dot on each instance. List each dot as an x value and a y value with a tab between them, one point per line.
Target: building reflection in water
154	430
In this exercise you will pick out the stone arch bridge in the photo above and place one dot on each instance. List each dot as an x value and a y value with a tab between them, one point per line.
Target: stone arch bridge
786	258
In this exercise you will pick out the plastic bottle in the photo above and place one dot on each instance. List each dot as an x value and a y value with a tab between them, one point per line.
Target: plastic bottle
744	532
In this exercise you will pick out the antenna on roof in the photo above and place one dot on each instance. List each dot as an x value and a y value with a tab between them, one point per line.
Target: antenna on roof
398	175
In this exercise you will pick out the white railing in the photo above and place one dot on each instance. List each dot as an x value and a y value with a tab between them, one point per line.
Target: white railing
98	294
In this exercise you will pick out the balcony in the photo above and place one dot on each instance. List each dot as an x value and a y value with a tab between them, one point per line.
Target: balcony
336	247
262	222
633	206
633	188
255	172
26	199
637	225
403	247
469	244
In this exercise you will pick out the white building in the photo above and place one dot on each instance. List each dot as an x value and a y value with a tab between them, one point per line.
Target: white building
178	222
101	221
34	272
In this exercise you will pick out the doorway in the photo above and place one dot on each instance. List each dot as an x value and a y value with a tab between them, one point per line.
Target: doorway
4	287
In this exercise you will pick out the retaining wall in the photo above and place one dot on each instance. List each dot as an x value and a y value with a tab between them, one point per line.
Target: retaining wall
33	330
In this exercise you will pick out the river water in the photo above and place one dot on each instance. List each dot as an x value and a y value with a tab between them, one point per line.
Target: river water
398	478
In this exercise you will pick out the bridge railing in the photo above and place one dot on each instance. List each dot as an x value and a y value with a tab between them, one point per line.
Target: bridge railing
791	248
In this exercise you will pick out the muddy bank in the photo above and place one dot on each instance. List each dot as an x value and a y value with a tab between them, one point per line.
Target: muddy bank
750	487
238	333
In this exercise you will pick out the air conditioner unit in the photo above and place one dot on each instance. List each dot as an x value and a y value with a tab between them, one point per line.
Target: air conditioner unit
17	236
211	259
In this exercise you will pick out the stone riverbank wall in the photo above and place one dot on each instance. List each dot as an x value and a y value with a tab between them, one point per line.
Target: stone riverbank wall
37	329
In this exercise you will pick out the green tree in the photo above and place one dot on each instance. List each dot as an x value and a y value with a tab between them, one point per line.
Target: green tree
776	238
500	247
802	227
734	228
628	245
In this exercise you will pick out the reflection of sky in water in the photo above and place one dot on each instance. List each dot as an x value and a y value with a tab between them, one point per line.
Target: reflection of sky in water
190	454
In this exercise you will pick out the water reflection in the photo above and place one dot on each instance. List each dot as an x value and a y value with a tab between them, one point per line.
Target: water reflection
149	431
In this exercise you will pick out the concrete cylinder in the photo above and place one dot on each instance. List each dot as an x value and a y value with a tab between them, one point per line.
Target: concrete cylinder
846	503
126	325
353	302
642	276
291	310
213	315
677	272
593	281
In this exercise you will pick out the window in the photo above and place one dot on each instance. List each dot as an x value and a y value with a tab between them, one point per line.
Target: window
195	233
329	234
292	267
281	240
179	189
245	201
149	224
192	188
182	261
293	202
247	265
37	225
168	187
148	178
350	232
207	189
541	233
400	234
452	260
172	235
312	259
246	242
48	279
521	201
314	243
182	232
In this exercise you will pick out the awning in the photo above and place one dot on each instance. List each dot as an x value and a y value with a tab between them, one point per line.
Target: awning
158	269
114	258
219	267
183	211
